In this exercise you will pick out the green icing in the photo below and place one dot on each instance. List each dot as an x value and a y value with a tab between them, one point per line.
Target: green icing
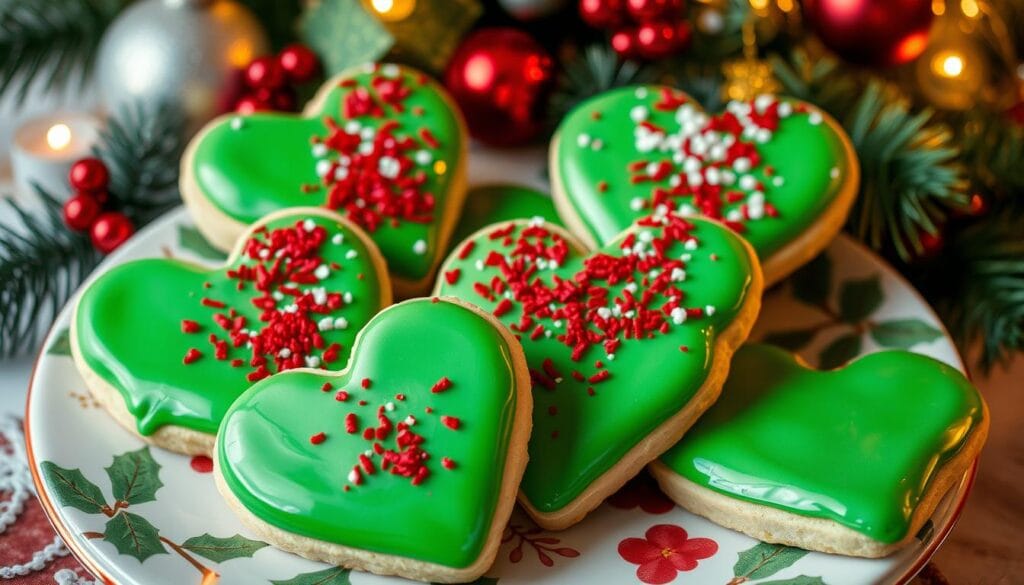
802	153
857	445
250	166
268	462
128	327
494	203
651	379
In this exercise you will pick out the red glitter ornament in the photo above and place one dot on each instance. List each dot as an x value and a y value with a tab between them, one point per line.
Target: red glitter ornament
88	175
656	40
299	63
250	104
624	42
501	78
879	33
603	14
81	211
110	230
264	73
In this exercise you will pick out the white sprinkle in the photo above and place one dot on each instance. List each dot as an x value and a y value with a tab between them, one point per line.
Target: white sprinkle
365	148
367	133
763	135
312	361
691	244
814	118
631	287
309	225
834	173
640	93
389	70
347	297
734	215
319	150
290	308
604	312
741	164
748	182
678	275
645	236
756	198
678	315
692	165
388	167
264	253
762	102
323	167
694	179
351	254
420	247
340	173
319	295
322	272
547	333
341	323
389	406
778	181
583	140
424	157
536	221
237	123
284	353
686	257
337	239
636	203
785	109
325	324
352	127
629	314
652	168
638	114
410	420
557	323
712	175
709	310
277	295
717	152
479	264
353	476
611	357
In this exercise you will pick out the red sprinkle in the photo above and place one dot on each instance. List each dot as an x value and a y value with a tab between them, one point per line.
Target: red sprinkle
212	303
351	423
201	464
441	385
327	387
365	383
188	326
318	438
341	396
447	463
450	421
191	356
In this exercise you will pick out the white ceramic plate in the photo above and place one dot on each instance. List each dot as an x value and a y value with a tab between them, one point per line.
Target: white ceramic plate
200	541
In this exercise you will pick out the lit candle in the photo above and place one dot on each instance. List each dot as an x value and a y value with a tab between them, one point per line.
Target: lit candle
44	149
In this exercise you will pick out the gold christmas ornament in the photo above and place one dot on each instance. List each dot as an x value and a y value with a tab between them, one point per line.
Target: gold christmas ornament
951	73
749	76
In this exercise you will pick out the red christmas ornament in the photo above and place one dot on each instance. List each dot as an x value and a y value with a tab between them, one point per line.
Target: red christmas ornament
81	211
110	230
645	11
880	33
299	63
88	175
624	43
264	73
284	99
501	77
251	103
603	14
655	40
931	244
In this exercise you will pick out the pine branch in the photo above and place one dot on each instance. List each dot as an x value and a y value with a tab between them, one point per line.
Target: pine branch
979	289
141	147
58	38
597	69
41	264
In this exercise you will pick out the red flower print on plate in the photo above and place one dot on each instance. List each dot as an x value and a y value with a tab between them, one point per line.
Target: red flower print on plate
641	491
664	552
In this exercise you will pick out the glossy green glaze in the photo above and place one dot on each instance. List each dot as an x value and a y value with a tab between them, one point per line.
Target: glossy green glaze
857	445
252	165
268	462
804	154
494	203
128	328
651	378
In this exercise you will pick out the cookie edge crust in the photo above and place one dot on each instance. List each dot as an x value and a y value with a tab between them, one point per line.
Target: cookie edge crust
786	259
177	438
776	526
385	564
671	430
222	230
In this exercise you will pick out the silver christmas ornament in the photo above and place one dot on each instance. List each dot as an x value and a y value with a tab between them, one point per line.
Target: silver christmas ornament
531	9
184	51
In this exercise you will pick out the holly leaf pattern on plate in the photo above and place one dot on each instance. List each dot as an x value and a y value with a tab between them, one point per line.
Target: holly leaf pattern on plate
859	298
840	351
904	333
61	344
133	535
813	283
190	239
219	550
71	488
134	477
332	576
764	560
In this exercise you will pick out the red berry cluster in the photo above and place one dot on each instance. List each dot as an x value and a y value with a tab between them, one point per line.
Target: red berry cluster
84	210
645	29
270	81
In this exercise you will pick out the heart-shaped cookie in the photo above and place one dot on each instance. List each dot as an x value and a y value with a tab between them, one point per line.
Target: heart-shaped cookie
780	172
406	463
382	144
166	346
626	346
849	461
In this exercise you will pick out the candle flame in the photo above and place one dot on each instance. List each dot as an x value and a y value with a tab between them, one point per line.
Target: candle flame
58	136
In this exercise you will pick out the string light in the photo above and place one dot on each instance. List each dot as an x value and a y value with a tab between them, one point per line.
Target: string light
393	10
58	136
948	64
